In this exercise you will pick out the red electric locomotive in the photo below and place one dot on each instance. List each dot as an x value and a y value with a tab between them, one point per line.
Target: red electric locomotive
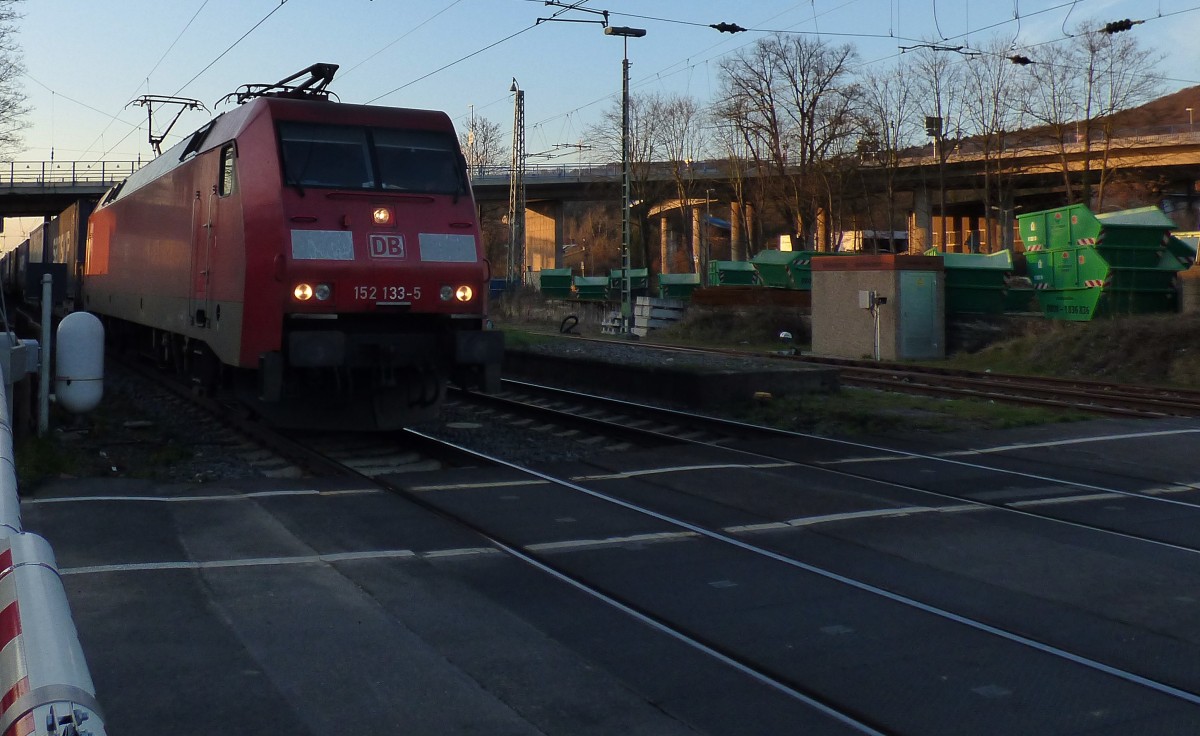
322	258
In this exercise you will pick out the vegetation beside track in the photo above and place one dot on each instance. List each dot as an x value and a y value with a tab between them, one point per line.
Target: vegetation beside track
134	433
1156	350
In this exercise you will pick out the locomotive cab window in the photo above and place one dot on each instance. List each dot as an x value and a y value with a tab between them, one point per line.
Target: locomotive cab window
228	171
352	157
417	161
326	156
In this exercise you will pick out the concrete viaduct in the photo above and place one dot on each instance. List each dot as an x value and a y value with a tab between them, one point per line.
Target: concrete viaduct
1167	159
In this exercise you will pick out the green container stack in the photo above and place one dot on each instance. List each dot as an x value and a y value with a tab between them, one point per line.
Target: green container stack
591	288
555	283
677	285
1084	265
732	273
976	283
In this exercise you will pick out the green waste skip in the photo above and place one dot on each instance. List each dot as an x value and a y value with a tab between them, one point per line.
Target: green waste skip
1084	266
677	285
591	288
786	269
639	282
732	273
976	283
555	283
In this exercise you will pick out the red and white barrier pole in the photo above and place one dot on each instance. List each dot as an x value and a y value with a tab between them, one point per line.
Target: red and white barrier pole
45	687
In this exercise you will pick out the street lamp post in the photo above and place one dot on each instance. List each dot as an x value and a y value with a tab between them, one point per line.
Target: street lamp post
626	286
1190	124
707	242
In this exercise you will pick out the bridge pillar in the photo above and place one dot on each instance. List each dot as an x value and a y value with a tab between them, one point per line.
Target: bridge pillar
664	244
920	222
698	259
543	236
737	236
747	211
1004	222
822	234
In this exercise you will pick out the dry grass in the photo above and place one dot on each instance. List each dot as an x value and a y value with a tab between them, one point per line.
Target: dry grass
1152	349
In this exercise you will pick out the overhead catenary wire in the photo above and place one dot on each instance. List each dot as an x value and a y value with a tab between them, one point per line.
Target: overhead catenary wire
208	66
100	136
231	47
346	72
453	63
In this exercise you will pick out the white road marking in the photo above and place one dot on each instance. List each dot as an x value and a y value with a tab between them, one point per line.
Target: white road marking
191	499
246	562
1010	448
683	469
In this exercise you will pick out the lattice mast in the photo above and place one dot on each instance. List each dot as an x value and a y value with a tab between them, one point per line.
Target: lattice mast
516	191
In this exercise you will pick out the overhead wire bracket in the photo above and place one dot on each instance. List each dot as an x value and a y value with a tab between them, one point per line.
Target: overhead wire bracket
149	101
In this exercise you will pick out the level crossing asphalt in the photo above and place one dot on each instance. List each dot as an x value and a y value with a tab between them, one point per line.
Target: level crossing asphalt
317	606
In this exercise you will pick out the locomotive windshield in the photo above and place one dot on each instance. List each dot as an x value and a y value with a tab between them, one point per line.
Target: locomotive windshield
355	157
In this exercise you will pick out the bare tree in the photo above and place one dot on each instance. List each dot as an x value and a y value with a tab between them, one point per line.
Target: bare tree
1119	75
888	110
994	85
938	74
791	97
483	144
1052	100
1084	81
13	102
729	141
682	138
643	148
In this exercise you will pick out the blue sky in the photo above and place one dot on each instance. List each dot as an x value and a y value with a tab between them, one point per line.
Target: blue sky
86	60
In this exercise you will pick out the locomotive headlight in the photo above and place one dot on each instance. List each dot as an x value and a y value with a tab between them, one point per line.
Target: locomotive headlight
446	293
464	293
382	216
305	292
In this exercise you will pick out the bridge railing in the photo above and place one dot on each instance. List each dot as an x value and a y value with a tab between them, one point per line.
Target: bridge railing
587	172
13	173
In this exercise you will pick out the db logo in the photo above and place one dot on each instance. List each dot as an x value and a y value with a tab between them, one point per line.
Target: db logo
385	246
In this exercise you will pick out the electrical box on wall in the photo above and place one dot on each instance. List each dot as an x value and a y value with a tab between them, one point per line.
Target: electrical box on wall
870	299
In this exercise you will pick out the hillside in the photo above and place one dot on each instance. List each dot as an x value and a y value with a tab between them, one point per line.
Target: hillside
1169	111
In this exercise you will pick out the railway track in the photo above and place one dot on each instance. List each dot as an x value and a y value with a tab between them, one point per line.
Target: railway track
1117	399
1097	397
656	426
